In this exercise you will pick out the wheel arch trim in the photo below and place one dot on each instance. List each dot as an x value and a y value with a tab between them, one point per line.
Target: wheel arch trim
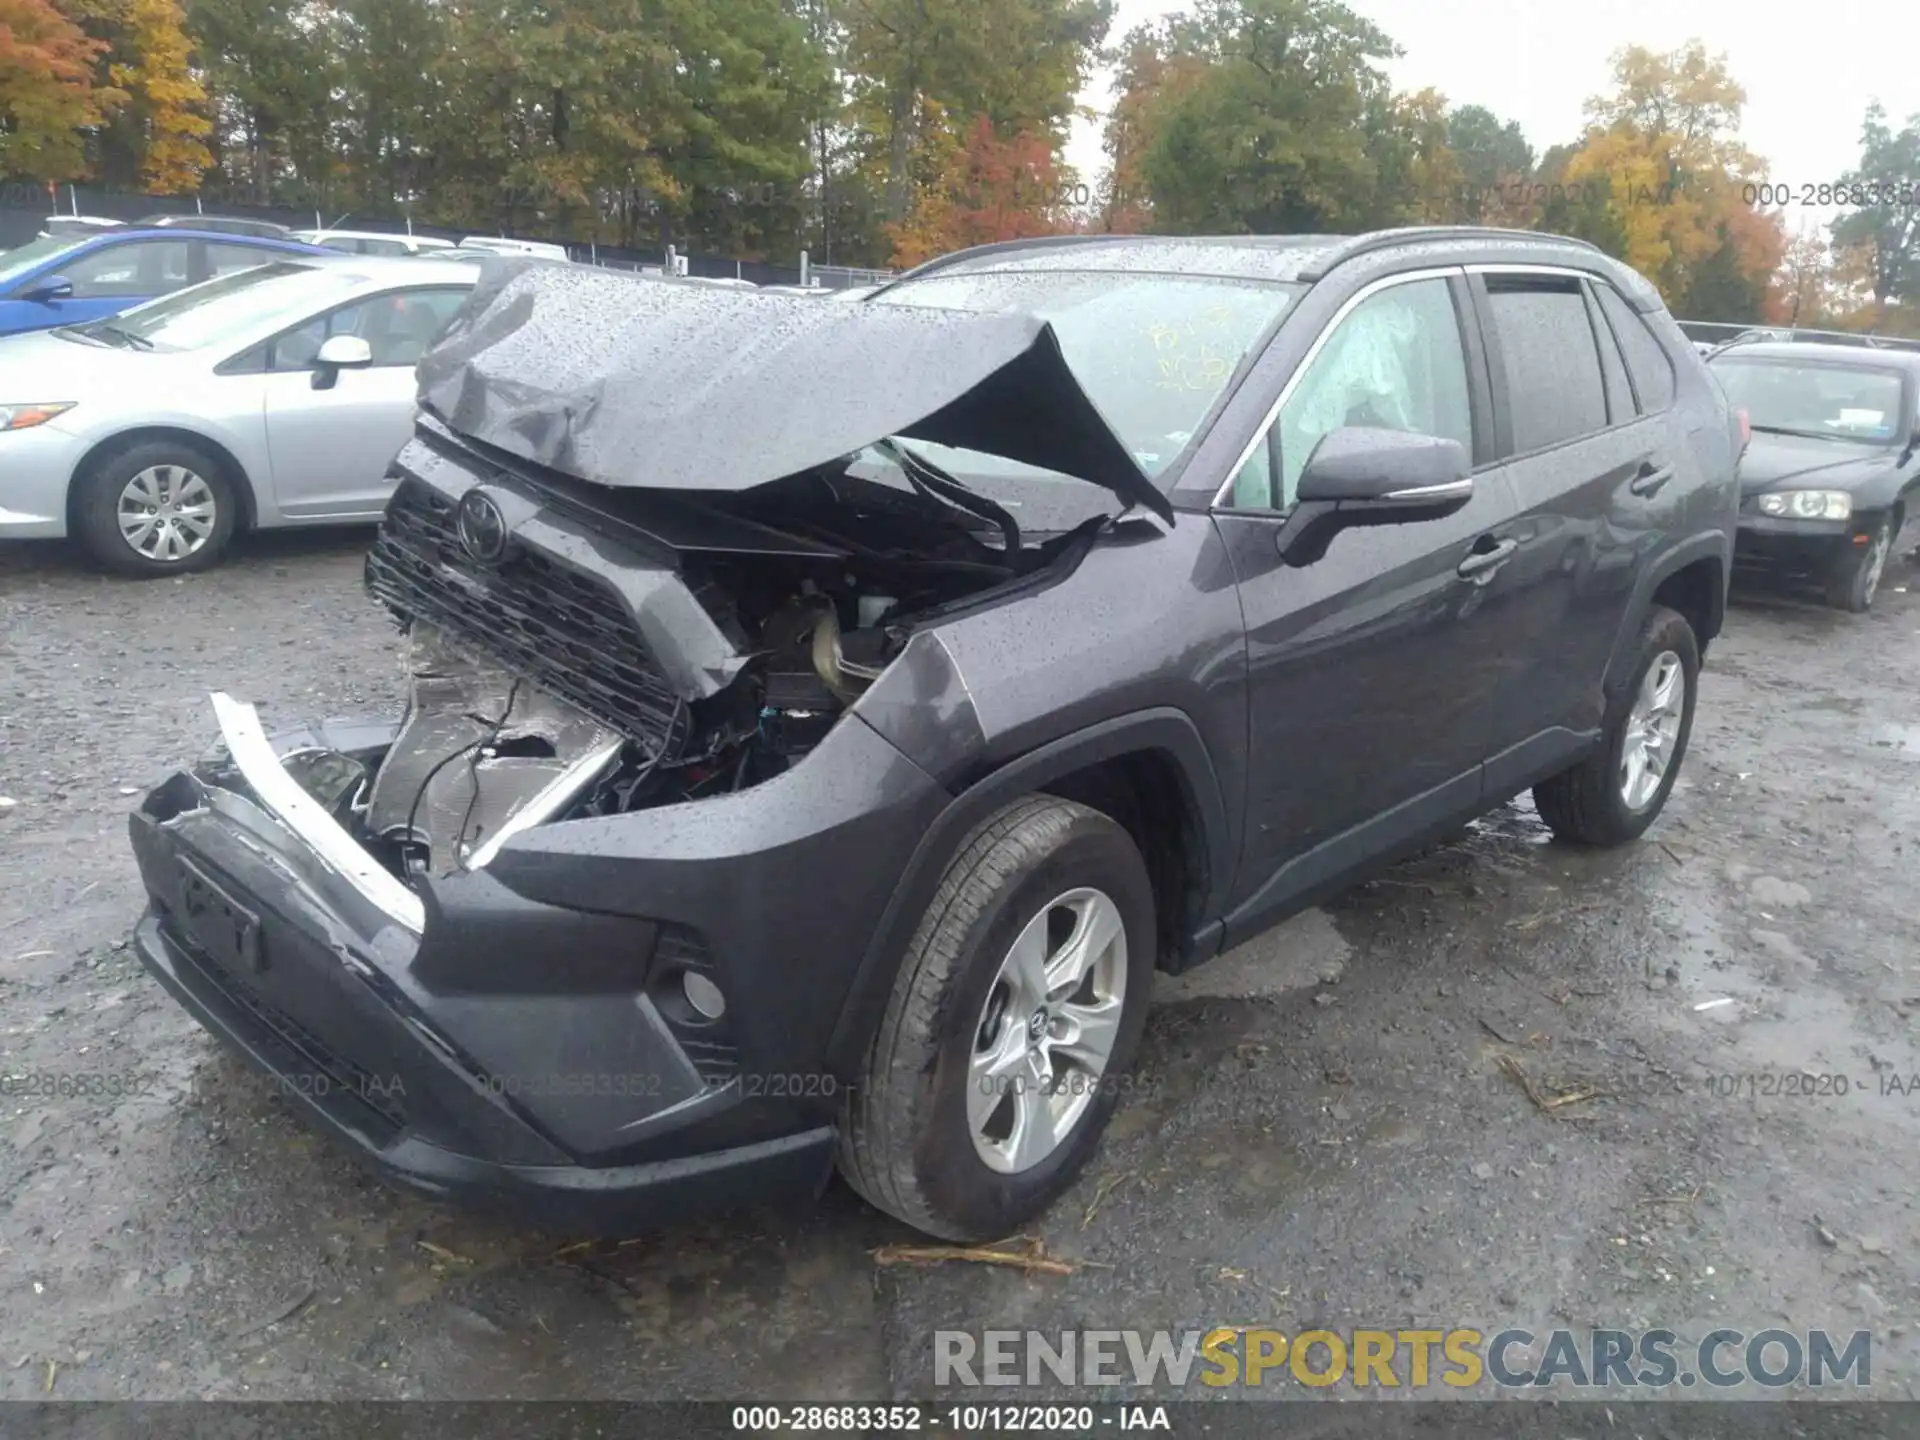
1713	546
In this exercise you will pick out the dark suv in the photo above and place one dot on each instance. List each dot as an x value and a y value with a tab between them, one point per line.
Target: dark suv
827	718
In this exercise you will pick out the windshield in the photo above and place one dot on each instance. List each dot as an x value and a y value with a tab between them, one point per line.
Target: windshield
233	307
30	256
1844	402
1153	352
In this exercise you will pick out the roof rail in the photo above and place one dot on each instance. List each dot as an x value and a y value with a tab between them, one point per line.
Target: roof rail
1413	234
1786	335
940	262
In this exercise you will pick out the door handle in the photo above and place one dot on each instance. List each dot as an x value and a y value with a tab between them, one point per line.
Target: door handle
1651	479
1482	563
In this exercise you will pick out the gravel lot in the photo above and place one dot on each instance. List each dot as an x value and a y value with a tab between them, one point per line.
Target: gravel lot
1332	1139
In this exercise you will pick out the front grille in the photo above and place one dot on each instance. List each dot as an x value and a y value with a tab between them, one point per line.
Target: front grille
565	631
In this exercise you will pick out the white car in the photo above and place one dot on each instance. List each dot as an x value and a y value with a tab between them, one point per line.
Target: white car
267	397
63	226
375	242
498	245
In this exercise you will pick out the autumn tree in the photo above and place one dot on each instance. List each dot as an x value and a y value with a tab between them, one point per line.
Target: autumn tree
1018	63
1660	166
1883	225
1149	77
48	94
977	188
167	101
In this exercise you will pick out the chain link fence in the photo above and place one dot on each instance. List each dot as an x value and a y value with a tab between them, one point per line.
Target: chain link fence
26	205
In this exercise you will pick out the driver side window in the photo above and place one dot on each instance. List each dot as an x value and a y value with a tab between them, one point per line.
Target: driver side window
1395	362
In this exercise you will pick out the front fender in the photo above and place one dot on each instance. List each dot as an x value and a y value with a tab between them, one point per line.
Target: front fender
1167	730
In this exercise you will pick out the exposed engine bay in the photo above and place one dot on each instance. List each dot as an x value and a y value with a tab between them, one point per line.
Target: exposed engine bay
533	698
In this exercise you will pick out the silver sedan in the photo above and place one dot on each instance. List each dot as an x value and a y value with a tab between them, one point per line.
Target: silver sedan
268	397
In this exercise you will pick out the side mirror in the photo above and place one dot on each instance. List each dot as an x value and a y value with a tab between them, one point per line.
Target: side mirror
54	287
341	352
1359	475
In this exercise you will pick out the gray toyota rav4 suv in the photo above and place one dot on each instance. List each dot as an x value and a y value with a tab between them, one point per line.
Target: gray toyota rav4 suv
826	719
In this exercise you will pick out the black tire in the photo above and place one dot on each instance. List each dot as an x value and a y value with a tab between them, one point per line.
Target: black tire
1854	578
97	500
906	1142
1585	804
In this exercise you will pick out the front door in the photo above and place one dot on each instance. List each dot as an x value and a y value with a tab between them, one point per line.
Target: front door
106	279
1371	670
331	446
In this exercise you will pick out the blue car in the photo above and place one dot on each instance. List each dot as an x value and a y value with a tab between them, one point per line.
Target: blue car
70	279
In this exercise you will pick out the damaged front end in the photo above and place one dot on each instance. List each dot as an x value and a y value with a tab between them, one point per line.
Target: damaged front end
645	805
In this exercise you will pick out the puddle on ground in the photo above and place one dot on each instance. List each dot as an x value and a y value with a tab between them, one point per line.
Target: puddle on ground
1514	824
1786	1016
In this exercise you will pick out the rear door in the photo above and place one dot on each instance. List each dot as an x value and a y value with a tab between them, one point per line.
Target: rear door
331	447
1594	480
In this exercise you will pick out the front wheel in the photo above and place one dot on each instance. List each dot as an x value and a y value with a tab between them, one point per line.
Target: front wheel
1856	572
1615	793
162	507
1011	1025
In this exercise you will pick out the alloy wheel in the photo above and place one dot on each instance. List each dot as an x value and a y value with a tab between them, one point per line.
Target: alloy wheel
1047	1030
1875	562
1653	729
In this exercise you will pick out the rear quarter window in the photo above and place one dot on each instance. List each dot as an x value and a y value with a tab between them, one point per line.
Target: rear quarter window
1648	363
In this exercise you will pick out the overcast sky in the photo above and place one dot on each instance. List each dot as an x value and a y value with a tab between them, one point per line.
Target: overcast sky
1808	74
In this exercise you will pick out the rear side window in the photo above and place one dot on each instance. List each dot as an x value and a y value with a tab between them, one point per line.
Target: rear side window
225	259
1647	360
1555	391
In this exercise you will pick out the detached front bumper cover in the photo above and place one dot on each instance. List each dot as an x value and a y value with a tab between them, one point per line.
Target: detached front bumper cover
283	798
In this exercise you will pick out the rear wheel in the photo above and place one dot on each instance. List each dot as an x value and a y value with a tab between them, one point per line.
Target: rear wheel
1019	1006
1615	793
1855	575
163	507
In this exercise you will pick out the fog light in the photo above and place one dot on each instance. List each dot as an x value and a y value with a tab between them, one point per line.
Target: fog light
703	995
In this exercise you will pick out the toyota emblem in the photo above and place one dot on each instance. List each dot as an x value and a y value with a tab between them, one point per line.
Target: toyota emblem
482	528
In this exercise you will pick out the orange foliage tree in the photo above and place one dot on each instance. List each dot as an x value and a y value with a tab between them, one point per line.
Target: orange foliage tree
1661	159
167	98
977	187
47	92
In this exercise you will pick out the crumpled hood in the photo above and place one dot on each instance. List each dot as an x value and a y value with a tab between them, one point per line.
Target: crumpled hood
1773	460
633	381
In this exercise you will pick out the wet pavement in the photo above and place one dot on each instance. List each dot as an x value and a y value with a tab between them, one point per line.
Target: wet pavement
1329	1133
